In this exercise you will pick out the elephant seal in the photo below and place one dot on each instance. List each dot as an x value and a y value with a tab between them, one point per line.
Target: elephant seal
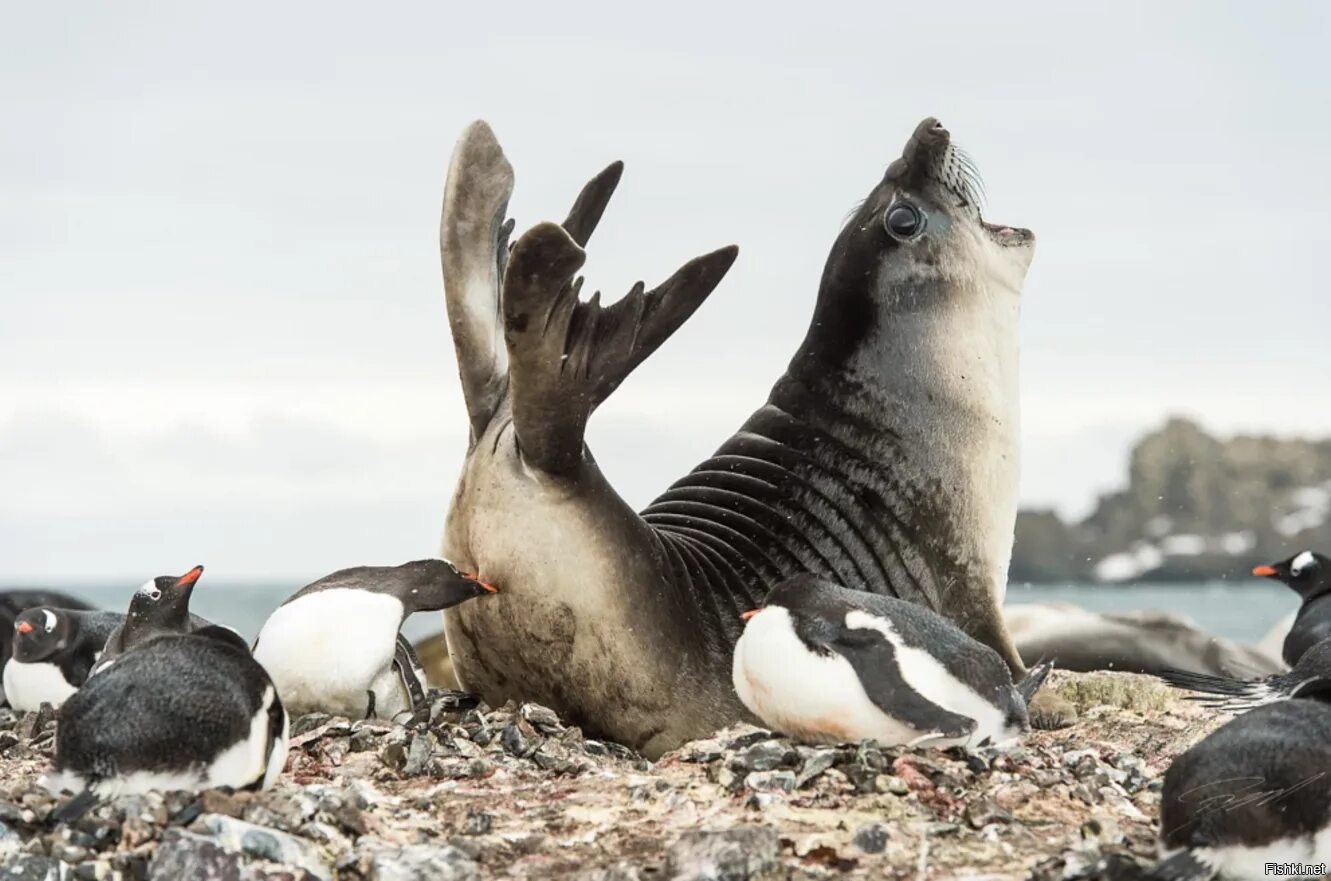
884	459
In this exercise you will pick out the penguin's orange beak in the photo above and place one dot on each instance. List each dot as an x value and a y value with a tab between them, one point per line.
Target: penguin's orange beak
485	584
1264	571
749	614
189	577
23	627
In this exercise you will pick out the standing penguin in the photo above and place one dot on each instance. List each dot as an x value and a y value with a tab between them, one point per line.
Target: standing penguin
1312	674
54	651
828	664
159	607
181	711
1309	575
1255	791
334	646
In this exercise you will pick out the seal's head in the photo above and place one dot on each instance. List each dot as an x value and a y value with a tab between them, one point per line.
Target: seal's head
918	241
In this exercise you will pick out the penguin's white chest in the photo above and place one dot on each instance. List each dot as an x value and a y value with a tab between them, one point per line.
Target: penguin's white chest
28	686
820	698
325	650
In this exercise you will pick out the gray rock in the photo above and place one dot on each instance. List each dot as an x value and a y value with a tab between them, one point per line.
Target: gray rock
761	756
771	781
871	838
33	868
730	855
418	754
815	763
186	855
416	862
237	836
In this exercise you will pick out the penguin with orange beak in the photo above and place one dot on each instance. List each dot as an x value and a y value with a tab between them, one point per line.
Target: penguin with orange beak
335	647
54	651
158	608
1309	575
828	664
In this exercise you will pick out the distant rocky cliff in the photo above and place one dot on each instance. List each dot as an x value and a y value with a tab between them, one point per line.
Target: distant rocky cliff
1195	507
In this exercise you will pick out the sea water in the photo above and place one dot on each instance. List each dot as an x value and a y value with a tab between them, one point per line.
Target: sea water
1243	610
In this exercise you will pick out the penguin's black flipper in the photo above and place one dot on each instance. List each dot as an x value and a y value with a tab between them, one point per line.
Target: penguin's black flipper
875	662
74	809
1182	866
407	663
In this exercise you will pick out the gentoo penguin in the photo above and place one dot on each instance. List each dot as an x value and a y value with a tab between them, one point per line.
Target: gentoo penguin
1310	676
828	664
1256	791
54	650
1308	574
12	602
159	607
181	711
334	646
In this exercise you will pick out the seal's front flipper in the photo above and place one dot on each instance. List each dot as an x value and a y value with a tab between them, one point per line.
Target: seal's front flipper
473	244
566	356
408	667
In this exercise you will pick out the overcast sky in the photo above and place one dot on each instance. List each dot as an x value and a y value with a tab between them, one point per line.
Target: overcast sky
222	332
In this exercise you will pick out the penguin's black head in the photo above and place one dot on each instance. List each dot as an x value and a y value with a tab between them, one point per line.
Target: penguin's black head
817	609
431	585
1308	573
163	603
40	633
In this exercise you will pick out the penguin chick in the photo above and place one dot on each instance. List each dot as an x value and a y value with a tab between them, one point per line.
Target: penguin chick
828	664
334	646
1310	677
159	607
190	711
1256	791
54	651
1309	575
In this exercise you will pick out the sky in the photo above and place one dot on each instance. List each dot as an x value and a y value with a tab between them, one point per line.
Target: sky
222	331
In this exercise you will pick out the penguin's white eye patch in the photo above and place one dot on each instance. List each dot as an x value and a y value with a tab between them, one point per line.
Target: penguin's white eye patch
49	620
1305	560
150	590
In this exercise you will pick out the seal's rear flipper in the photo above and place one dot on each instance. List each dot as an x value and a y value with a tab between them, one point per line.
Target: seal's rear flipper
473	244
566	356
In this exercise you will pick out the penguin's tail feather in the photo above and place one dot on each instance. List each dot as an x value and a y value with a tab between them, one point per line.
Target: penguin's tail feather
1034	678
1222	692
1182	866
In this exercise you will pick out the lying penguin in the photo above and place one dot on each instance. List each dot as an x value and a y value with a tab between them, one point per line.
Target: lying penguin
1310	676
54	651
13	602
180	711
160	606
827	664
334	646
1255	791
1309	575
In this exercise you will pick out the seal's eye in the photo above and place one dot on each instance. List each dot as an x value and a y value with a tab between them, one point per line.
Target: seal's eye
903	221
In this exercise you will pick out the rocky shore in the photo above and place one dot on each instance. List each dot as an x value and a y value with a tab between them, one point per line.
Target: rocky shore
467	792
